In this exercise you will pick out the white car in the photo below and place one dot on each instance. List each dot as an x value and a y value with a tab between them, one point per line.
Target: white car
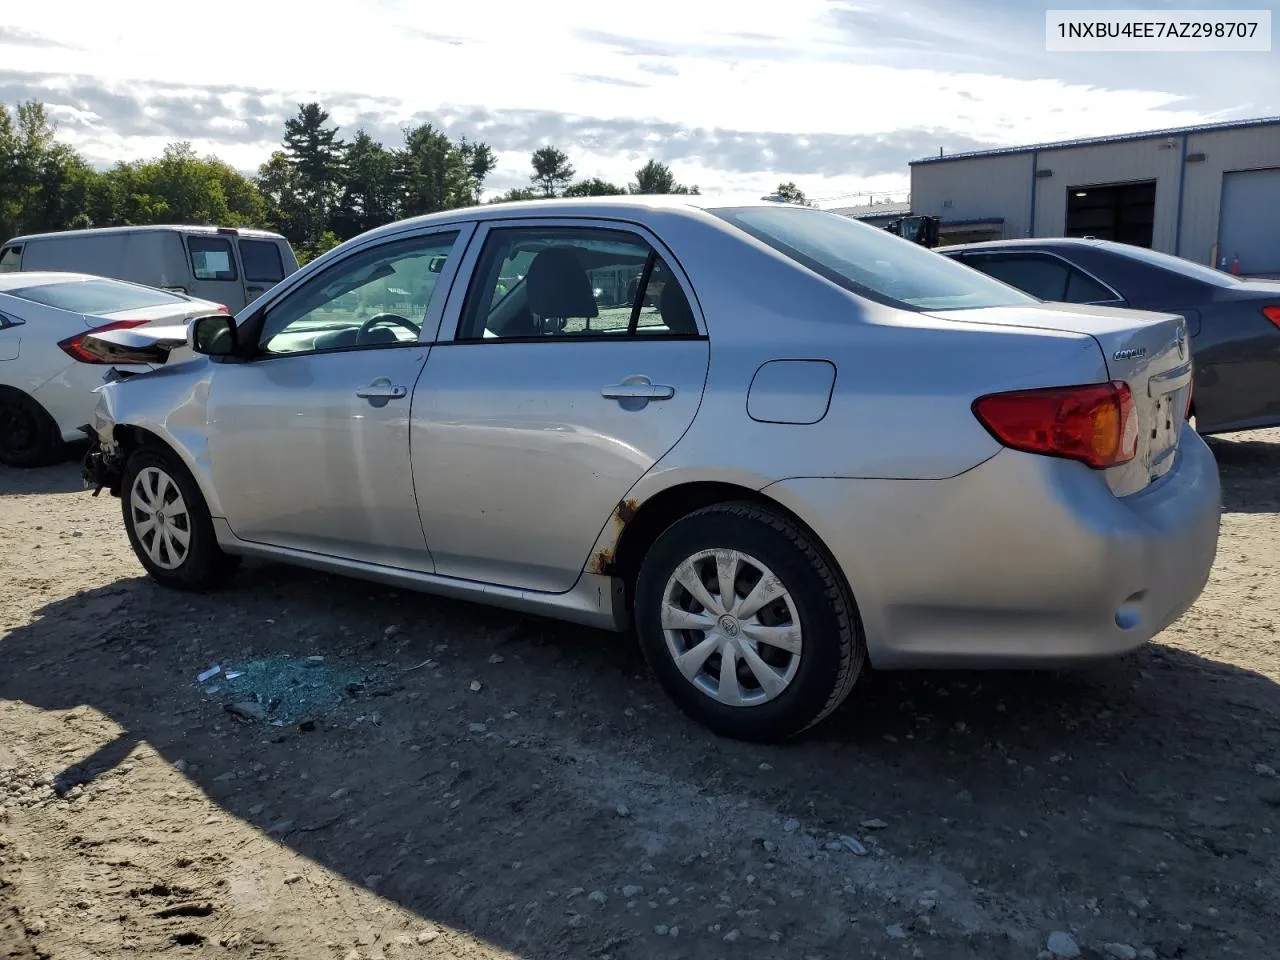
46	378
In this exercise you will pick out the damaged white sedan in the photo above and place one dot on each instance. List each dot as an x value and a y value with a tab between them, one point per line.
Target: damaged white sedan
776	441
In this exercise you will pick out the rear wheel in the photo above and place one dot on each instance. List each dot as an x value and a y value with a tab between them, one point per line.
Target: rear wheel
747	623
168	522
29	437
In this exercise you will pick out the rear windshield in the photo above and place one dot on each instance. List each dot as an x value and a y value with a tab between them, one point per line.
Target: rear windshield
95	296
871	262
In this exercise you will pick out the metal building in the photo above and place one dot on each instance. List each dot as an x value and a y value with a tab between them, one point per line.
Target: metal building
1206	193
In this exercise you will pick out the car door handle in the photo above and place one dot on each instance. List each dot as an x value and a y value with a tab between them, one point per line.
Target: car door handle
382	391
638	390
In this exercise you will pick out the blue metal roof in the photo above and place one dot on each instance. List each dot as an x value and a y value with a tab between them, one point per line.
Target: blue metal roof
1118	138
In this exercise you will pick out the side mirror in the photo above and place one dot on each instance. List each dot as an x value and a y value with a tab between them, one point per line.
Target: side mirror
214	335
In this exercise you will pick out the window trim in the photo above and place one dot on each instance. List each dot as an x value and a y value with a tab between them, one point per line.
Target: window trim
232	256
251	330
470	260
964	255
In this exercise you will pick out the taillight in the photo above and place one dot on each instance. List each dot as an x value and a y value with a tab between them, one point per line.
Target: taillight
1096	424
1191	389
72	345
1272	314
222	308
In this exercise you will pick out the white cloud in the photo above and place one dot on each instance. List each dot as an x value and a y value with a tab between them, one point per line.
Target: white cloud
749	65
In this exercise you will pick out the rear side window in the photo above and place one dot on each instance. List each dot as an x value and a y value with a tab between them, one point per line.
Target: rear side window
211	258
1048	278
1082	288
261	261
10	259
870	262
95	296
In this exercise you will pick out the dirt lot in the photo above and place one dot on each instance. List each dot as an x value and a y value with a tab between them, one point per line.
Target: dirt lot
460	782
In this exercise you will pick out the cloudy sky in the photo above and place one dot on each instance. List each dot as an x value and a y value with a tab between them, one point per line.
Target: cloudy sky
734	94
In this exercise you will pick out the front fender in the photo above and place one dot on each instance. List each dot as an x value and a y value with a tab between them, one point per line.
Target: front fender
167	406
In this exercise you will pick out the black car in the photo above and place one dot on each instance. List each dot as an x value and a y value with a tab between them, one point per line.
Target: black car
1234	323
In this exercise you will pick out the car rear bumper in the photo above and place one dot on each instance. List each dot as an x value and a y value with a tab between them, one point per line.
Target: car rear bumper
1022	561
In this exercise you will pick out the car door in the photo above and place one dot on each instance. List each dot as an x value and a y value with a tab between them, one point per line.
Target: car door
573	362
215	270
309	439
262	265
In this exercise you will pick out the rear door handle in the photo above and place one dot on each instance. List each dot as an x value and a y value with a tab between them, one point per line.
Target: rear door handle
382	391
638	390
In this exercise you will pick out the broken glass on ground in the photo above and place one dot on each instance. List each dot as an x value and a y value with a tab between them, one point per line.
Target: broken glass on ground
284	689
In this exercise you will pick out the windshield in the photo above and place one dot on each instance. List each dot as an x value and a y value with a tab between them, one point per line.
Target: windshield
870	262
1167	261
95	296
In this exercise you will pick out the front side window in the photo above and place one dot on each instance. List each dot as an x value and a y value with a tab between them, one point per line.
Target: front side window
377	297
96	297
261	260
211	258
10	259
572	282
870	262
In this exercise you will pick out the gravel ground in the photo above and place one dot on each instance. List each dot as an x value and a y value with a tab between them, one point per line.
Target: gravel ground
454	781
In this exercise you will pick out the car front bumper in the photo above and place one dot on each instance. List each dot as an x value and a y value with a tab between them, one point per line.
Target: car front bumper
1021	561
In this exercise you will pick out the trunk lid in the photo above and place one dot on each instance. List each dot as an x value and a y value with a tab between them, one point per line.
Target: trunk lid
1151	352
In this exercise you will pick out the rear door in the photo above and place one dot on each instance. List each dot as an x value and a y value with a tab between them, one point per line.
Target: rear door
214	269
263	265
557	383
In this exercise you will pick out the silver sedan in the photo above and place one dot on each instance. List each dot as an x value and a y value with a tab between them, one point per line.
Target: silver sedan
777	442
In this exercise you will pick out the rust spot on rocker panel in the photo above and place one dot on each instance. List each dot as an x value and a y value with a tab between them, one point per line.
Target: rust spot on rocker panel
603	562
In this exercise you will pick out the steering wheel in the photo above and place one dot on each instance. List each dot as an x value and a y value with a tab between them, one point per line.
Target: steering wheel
392	318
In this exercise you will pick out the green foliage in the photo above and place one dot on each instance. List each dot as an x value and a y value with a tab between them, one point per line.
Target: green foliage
317	189
595	187
655	177
517	193
551	170
790	193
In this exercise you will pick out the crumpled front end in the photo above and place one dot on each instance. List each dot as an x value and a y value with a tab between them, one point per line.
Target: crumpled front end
102	466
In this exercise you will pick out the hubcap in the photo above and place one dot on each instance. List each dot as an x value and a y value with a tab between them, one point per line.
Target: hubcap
731	627
160	519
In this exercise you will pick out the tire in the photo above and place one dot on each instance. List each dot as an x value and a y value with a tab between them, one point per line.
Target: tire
29	437
806	685
155	474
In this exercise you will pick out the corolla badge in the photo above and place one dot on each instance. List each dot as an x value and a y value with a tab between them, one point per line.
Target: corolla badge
1132	353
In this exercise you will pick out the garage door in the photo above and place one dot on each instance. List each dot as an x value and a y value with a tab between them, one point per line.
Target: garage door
1249	227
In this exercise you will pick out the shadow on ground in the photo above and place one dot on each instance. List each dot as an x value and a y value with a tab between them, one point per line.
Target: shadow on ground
1132	782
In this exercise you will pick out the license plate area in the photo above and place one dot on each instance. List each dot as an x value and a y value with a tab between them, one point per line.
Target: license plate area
1162	434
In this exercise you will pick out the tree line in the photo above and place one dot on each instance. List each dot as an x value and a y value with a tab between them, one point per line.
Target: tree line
317	189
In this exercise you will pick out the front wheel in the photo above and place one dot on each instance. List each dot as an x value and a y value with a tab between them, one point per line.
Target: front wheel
747	623
168	523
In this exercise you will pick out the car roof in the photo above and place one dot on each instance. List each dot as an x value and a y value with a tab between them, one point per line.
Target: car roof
17	281
1017	242
622	207
252	233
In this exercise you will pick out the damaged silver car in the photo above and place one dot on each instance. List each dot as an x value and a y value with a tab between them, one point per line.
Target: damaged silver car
774	440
